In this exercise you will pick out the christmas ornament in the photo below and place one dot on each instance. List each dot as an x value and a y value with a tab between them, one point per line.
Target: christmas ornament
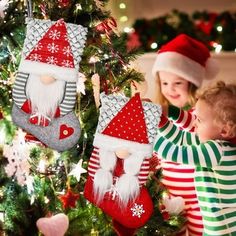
108	26
80	83
63	3
173	205
77	170
133	41
45	88
17	155
1	115
96	88
119	164
54	225
69	199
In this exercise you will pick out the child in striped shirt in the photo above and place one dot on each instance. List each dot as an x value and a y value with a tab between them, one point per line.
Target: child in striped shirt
181	66
212	152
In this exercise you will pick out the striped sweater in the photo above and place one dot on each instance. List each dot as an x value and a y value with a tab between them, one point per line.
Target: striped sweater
178	179
215	175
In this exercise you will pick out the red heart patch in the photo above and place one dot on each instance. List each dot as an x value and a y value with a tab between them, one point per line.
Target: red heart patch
65	131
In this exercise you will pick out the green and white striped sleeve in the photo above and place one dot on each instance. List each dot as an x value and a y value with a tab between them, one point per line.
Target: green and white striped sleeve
205	155
176	135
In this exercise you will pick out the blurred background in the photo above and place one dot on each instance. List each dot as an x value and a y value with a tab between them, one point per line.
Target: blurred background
151	23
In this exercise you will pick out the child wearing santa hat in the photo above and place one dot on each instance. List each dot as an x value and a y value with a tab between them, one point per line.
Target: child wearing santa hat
180	68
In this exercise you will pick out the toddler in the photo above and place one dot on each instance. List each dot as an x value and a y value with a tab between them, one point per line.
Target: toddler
212	152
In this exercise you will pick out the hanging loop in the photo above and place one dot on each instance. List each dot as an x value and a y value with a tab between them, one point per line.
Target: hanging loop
29	8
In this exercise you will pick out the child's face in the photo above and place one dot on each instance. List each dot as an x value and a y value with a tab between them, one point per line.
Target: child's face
174	88
205	128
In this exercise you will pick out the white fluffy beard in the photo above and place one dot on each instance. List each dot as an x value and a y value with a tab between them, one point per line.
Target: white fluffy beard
44	98
127	185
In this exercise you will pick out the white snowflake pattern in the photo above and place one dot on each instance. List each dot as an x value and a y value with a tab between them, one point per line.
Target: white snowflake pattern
67	63
54	34
35	57
53	48
51	60
137	210
38	46
67	51
66	37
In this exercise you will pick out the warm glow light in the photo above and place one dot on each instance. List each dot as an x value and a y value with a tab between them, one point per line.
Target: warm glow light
219	28
154	45
122	5
128	30
123	18
218	48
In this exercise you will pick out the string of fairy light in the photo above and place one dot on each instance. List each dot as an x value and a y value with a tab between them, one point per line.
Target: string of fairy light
125	21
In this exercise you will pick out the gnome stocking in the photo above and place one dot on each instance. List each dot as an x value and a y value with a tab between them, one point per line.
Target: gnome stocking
119	164
44	92
121	230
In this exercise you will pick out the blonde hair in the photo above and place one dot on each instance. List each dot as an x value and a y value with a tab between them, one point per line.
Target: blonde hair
160	98
222	98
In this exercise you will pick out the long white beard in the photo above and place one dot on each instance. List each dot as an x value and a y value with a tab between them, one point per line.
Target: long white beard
44	98
127	185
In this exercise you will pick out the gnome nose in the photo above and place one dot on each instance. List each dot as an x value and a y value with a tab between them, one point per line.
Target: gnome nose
122	153
47	79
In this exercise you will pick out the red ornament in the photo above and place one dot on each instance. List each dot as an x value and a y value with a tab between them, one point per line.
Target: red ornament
133	41
69	199
107	25
1	115
154	163
165	215
63	3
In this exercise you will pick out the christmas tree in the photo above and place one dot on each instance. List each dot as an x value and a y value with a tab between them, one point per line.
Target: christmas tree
37	181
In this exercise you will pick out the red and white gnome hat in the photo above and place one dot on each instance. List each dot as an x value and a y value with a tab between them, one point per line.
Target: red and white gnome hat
187	58
127	130
52	55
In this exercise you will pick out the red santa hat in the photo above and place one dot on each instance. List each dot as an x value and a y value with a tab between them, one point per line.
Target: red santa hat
52	55
187	58
127	129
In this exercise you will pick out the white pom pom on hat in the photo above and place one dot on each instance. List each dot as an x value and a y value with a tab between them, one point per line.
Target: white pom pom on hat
187	58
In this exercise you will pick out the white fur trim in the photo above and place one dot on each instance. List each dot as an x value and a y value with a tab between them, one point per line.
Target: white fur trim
180	65
112	143
40	68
